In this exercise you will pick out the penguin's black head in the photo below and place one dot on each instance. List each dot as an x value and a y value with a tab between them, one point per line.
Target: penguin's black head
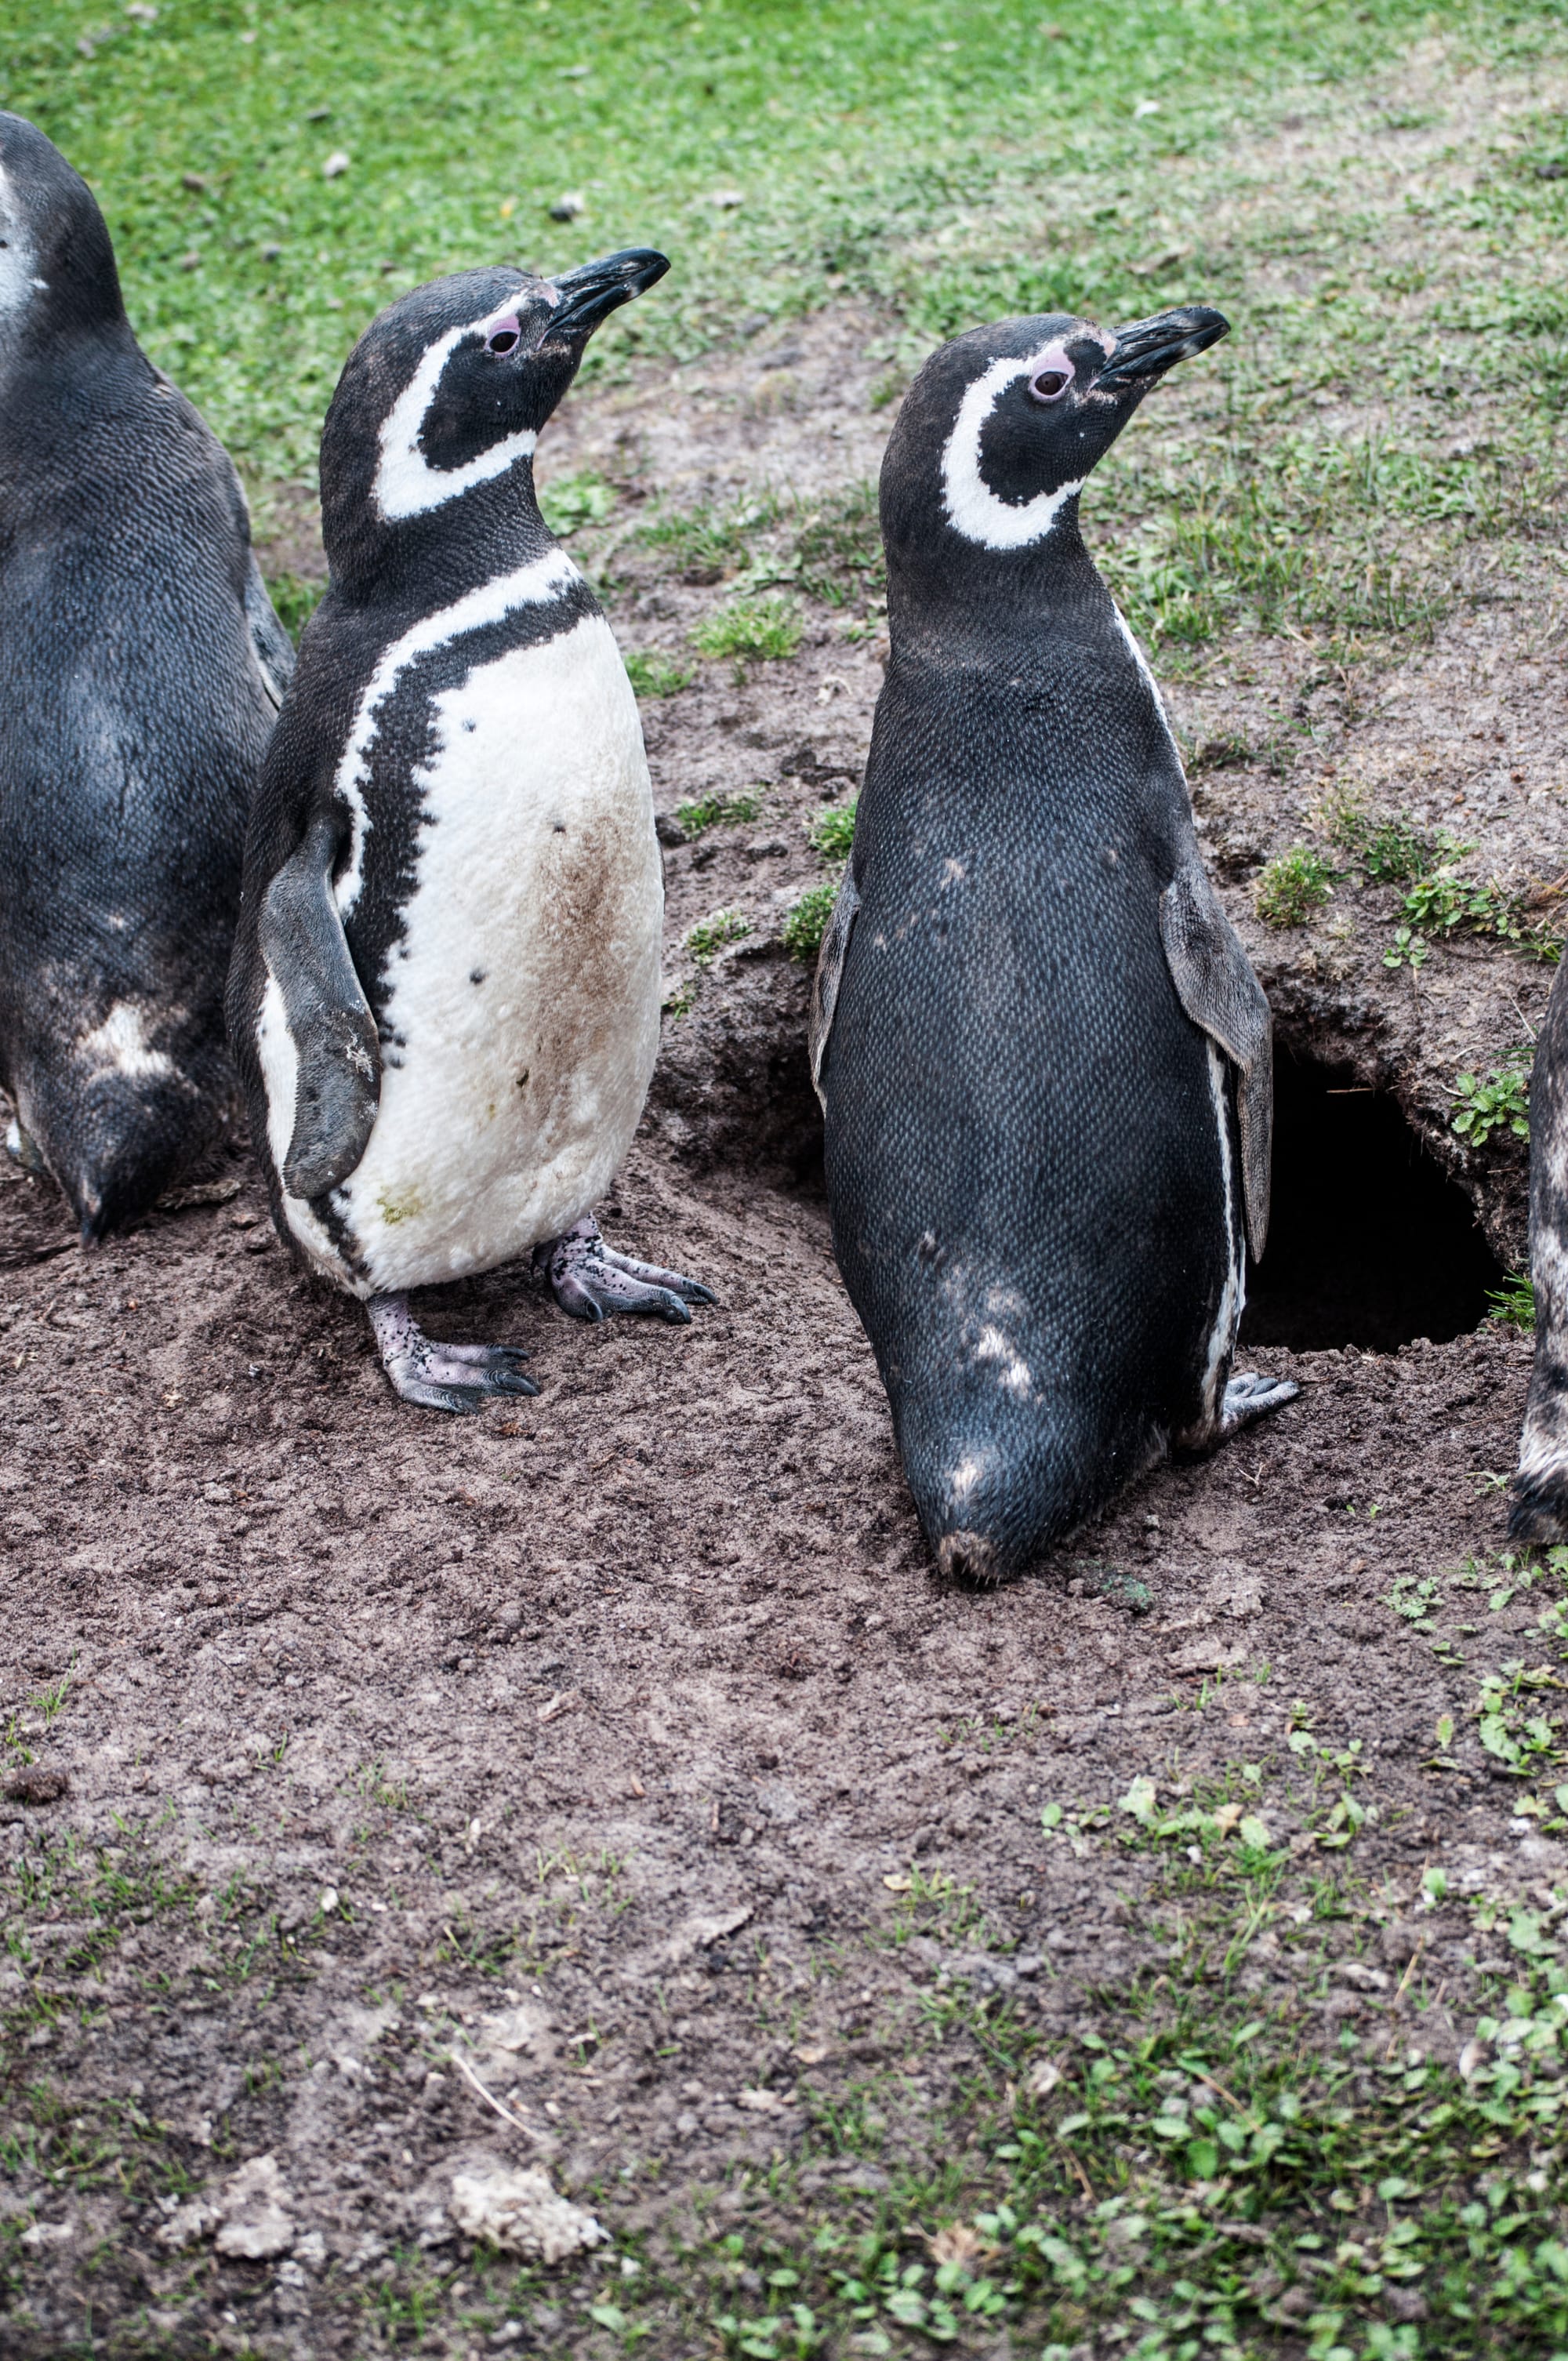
57	264
1000	428
447	390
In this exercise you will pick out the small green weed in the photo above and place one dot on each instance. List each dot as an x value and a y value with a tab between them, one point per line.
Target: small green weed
708	937
750	630
1445	903
718	811
656	676
1293	888
832	830
806	922
1501	1103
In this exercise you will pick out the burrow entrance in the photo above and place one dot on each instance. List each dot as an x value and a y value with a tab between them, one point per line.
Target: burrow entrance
1369	1243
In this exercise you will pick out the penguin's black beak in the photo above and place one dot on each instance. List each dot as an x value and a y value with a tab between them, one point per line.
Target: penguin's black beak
1145	349
594	289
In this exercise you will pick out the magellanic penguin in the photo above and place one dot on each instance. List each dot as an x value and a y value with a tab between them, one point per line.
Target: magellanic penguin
141	668
445	998
1043	1057
1540	1511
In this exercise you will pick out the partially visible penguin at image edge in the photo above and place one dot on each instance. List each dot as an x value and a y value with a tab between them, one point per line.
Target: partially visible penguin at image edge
1043	1057
444	997
1539	1515
141	667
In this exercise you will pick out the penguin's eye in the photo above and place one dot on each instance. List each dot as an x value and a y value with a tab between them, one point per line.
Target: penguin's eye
1050	385
503	341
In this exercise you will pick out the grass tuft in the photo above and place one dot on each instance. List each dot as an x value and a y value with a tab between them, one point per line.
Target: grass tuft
1293	889
832	830
807	920
751	631
657	675
708	937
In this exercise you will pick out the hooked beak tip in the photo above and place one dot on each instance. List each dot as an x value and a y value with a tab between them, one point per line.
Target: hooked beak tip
1145	349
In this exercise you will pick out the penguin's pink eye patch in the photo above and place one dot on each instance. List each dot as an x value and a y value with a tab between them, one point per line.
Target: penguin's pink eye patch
504	334
1048	384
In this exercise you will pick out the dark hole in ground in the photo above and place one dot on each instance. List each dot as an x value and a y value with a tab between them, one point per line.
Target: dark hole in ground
1369	1243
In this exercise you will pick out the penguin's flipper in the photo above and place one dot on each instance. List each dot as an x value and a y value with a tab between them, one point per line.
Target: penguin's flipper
1216	986
825	984
270	644
337	1085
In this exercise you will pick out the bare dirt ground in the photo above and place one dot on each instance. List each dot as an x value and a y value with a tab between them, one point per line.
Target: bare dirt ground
616	1751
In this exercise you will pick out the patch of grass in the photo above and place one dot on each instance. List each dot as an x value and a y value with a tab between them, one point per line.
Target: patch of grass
704	543
1514	1303
708	937
831	832
1446	903
750	630
806	921
718	811
571	501
1293	888
250	271
1390	847
1500	1103
657	675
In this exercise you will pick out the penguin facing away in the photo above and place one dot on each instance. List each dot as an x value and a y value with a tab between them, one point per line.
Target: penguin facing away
141	667
1042	1055
445	995
1538	1514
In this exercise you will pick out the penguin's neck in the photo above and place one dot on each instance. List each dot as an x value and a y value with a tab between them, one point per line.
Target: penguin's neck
438	557
982	608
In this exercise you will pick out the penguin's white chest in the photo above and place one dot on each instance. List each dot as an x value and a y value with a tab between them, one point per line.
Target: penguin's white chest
523	1017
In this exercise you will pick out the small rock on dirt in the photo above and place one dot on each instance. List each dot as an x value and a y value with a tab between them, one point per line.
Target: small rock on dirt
521	2213
36	1787
254	2204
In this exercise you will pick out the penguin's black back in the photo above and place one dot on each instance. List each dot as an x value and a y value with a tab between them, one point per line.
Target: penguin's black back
1024	1160
139	663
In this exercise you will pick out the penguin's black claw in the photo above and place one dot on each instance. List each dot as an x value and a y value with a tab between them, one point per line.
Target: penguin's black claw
1248	1395
456	1378
590	1280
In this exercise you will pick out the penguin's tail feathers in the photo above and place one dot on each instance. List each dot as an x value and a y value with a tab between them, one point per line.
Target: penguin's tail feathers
115	1147
969	1562
994	1495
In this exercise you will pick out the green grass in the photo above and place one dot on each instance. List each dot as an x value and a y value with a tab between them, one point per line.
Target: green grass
1292	889
1514	1303
718	811
657	675
832	830
750	630
249	272
708	937
807	920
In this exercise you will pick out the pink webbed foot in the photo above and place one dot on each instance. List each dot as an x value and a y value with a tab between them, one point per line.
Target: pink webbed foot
590	1280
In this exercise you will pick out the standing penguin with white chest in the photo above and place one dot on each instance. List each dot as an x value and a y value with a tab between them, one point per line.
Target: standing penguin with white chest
1043	1057
444	997
141	667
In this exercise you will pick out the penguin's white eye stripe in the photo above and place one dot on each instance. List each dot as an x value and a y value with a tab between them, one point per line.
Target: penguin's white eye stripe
973	509
406	483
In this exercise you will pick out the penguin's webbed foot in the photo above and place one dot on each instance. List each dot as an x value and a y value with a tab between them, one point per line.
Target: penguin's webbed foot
590	1280
457	1377
1248	1395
